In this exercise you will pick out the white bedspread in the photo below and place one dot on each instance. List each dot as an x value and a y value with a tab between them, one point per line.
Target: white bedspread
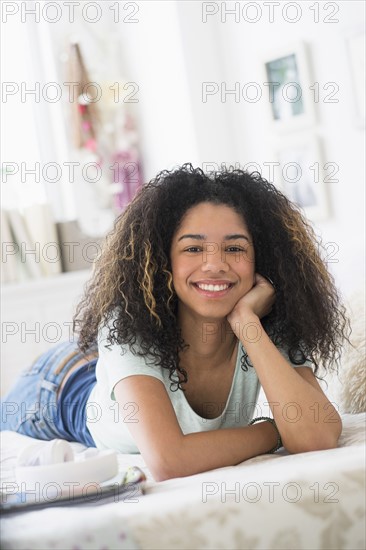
307	501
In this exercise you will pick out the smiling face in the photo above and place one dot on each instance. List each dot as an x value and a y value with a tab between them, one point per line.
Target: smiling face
212	260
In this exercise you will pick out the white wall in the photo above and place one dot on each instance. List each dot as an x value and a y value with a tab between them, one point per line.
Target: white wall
154	57
171	51
148	53
222	50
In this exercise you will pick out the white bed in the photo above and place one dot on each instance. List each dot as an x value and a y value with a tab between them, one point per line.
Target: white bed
318	498
308	501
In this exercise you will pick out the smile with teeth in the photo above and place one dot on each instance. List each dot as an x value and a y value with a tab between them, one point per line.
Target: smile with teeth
213	288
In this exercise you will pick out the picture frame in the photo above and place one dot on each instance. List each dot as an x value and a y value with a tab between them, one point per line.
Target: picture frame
355	45
303	177
287	76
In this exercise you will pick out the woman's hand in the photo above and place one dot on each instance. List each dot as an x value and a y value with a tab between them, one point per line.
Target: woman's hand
258	301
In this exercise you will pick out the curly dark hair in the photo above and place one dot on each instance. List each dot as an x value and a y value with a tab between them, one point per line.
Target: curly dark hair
132	278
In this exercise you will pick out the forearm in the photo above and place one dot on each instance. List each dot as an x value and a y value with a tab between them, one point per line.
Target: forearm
203	451
304	416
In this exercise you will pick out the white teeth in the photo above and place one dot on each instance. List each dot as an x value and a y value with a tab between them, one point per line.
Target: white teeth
212	288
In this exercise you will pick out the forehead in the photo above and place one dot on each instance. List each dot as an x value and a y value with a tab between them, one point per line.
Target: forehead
207	216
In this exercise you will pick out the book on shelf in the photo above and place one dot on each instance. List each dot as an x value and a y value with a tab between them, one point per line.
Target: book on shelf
9	262
78	250
42	230
34	246
29	244
24	247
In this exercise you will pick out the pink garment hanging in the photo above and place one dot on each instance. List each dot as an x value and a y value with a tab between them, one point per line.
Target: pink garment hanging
126	170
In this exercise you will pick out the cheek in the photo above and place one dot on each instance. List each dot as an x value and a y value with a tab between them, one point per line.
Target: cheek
247	274
249	261
243	265
180	271
250	256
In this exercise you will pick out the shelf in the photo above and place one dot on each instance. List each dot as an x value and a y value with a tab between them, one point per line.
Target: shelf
47	283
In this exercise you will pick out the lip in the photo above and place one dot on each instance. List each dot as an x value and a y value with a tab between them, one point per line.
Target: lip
213	282
213	293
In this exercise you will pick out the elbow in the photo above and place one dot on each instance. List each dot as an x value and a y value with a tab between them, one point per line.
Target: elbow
322	444
164	458
160	470
163	473
162	476
316	441
330	441
171	461
164	467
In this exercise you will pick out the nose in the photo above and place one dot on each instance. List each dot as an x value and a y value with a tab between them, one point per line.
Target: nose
214	260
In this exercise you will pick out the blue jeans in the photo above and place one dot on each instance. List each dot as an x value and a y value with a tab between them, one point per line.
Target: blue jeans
31	407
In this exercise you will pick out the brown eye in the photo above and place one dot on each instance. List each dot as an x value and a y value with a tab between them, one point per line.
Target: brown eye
234	249
193	249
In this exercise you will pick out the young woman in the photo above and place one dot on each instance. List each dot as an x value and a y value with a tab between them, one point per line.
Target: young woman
208	287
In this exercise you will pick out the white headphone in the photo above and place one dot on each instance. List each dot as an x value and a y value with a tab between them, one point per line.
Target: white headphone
54	463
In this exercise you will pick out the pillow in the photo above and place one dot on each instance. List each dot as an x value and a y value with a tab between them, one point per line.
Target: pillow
348	389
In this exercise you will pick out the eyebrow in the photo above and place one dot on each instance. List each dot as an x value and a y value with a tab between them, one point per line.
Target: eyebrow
204	237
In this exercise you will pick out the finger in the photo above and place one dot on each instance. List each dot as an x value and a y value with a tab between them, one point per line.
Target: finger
260	279
269	282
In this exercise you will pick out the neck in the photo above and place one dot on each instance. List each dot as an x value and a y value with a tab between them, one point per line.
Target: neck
211	342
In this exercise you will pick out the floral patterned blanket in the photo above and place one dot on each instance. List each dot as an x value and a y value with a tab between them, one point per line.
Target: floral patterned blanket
306	501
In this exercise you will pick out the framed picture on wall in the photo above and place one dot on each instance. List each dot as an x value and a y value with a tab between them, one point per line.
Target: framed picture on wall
356	57
286	73
303	177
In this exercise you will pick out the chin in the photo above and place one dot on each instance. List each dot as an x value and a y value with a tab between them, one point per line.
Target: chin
213	313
